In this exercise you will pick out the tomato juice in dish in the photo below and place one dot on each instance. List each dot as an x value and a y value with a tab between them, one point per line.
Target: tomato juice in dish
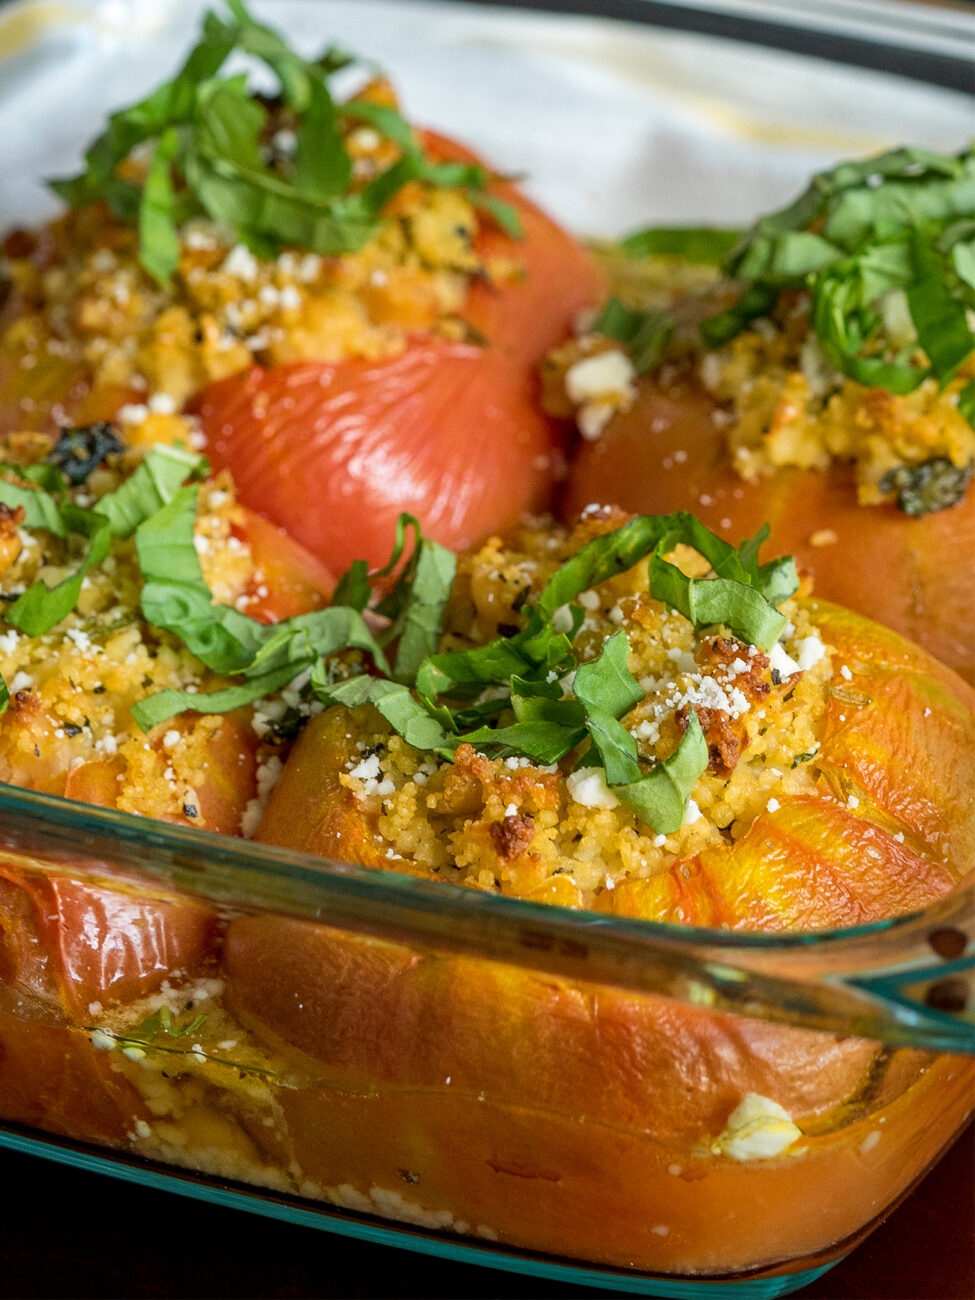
270	400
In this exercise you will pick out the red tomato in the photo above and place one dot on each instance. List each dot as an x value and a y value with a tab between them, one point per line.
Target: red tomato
334	452
73	942
451	432
288	579
915	575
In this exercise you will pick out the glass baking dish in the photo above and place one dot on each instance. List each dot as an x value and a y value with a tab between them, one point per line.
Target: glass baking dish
522	1085
471	1076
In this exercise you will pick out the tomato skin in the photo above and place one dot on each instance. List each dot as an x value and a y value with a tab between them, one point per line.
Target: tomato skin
531	313
333	452
914	575
71	942
291	579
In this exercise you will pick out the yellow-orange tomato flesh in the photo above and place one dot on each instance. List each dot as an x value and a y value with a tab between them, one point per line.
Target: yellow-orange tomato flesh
916	575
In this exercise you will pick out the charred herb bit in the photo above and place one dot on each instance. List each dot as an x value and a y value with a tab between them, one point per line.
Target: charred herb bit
935	484
804	758
78	452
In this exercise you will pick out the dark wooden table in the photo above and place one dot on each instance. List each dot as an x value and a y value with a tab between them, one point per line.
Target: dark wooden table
70	1234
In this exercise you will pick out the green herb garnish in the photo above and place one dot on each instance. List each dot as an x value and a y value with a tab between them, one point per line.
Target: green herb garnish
438	701
117	514
902	220
204	136
644	334
439	707
706	245
161	1022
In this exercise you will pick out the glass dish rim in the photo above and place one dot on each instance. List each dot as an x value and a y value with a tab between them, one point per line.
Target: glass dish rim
868	980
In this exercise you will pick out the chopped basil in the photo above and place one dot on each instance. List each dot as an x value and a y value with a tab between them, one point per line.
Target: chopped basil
155	482
4	695
161	1022
935	484
41	606
175	597
206	132
902	220
645	334
521	673
660	798
707	245
41	508
394	701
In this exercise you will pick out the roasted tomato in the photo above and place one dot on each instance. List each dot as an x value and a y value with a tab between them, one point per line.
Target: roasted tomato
553	1096
288	579
449	431
917	575
69	949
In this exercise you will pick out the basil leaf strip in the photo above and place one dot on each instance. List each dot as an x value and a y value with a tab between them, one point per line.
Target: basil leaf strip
158	234
645	334
661	797
395	703
607	690
706	245
164	705
41	606
41	510
155	482
208	156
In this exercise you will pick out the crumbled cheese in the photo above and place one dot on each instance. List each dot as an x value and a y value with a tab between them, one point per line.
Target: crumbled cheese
132	413
367	769
780	661
607	373
241	263
587	786
162	404
809	652
757	1129
691	814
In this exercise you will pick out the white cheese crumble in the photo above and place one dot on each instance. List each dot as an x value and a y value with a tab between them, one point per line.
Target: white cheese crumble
757	1129
600	386
809	651
241	263
691	814
780	661
605	374
587	786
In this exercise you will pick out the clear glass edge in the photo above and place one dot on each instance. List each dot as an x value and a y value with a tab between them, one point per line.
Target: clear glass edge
866	980
346	1223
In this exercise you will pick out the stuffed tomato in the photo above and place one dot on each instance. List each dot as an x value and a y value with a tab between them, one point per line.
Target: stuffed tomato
832	395
824	781
344	312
